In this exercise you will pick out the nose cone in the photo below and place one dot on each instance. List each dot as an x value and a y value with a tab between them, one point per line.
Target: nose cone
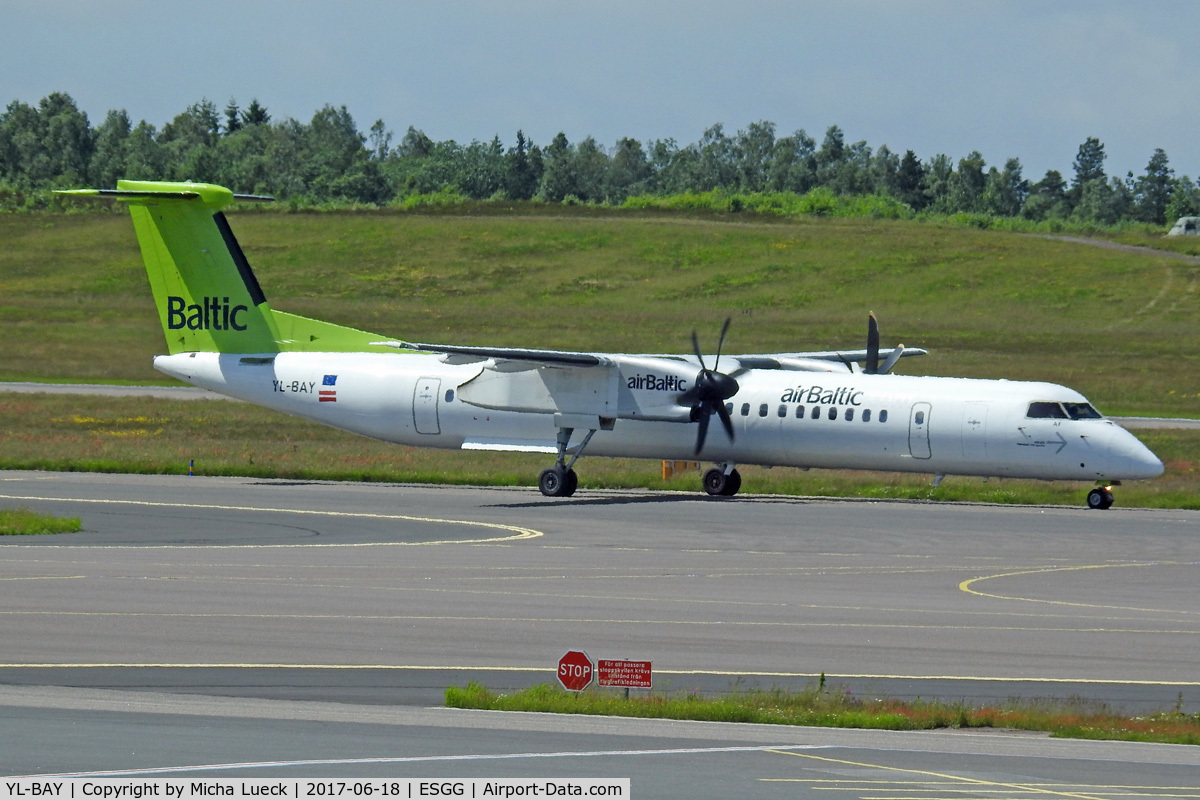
1139	462
1146	464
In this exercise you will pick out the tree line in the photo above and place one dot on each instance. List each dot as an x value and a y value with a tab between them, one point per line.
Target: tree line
328	160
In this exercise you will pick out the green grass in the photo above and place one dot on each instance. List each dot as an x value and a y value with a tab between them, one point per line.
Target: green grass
152	435
816	706
26	522
1118	326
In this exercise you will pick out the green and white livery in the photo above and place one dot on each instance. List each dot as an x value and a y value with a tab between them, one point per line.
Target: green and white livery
839	409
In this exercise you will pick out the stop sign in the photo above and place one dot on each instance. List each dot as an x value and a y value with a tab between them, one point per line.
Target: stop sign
575	671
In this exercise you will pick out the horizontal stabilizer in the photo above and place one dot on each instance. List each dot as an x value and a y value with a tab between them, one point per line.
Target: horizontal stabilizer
133	191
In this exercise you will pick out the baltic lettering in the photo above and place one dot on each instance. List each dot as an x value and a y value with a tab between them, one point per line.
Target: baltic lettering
819	395
657	383
210	314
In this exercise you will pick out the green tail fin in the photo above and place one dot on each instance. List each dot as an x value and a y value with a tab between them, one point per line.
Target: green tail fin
207	295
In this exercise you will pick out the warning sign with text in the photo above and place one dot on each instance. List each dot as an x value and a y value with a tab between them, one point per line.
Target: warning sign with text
629	674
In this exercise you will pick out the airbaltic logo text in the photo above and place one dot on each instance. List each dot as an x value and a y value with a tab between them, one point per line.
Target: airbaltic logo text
655	383
819	395
210	314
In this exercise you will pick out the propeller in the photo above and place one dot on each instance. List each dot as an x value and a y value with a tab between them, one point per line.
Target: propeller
891	360
872	365
709	392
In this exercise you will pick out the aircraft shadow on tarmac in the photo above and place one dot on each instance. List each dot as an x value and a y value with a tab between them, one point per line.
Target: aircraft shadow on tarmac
575	502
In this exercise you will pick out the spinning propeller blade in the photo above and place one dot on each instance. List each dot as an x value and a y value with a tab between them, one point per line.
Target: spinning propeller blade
872	365
891	360
710	391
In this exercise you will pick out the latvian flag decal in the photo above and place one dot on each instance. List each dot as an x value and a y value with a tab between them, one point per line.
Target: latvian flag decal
328	394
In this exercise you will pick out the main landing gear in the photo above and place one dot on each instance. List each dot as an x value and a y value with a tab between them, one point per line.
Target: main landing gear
560	480
722	480
1100	498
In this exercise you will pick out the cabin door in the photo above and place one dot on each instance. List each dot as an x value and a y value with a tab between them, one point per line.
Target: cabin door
974	431
918	431
425	405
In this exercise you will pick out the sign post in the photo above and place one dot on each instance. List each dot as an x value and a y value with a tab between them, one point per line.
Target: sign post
575	671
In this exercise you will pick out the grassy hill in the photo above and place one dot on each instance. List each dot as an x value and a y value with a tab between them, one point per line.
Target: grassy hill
1117	325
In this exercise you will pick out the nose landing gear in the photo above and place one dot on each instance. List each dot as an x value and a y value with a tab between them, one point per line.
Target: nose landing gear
1100	498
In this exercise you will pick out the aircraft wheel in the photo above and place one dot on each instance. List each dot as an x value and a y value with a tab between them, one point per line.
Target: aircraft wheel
1100	498
733	482
716	482
557	482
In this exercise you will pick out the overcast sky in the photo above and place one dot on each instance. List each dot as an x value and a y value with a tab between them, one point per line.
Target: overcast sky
1029	79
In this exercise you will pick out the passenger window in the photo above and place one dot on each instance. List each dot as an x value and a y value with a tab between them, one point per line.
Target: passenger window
745	409
782	411
1045	410
849	414
919	418
762	410
799	412
883	415
816	412
866	415
729	408
832	412
449	395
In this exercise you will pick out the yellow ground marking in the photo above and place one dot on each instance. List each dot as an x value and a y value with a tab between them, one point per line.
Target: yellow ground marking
959	780
517	533
528	574
966	587
46	578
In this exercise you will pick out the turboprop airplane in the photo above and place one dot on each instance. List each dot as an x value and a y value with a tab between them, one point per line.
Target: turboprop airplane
803	409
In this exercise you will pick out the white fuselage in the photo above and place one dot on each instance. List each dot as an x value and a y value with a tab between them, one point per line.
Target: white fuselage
781	418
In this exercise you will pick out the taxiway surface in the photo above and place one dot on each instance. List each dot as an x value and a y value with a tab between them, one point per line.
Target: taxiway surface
292	595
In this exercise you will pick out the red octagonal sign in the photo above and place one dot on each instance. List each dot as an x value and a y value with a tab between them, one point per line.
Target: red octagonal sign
575	671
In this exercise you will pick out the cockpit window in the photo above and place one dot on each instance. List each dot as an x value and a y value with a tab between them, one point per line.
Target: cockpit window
1045	410
1082	411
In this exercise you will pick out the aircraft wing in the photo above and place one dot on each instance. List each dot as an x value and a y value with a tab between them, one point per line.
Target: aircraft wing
460	354
814	360
592	390
858	355
463	354
884	359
